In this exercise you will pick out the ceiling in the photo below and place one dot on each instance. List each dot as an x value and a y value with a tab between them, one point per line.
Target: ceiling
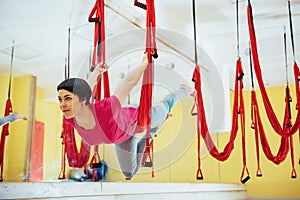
39	29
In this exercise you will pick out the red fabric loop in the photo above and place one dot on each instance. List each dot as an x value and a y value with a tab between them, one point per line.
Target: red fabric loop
5	132
269	110
199	175
75	158
238	107
144	109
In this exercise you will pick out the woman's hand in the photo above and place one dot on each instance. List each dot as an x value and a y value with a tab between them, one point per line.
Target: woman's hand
101	68
144	62
98	70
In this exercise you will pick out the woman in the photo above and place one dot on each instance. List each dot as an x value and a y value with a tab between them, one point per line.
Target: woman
11	118
106	122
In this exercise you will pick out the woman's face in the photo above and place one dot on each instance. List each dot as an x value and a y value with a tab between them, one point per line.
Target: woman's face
69	103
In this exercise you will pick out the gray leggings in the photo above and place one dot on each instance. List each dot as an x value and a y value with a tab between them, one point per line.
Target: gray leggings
7	119
130	152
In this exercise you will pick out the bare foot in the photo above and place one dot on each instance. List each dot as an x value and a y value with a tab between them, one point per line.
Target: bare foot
192	92
18	116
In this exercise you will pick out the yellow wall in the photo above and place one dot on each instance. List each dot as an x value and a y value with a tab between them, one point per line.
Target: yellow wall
14	157
175	148
276	180
15	147
49	113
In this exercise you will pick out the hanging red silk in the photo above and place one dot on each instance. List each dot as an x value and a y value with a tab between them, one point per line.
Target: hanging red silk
238	109
144	110
5	132
269	110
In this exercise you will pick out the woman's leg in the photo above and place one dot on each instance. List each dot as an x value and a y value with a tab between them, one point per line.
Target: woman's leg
159	114
161	109
127	156
130	152
7	119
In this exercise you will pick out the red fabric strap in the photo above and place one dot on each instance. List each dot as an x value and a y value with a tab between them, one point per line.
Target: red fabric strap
297	79
294	173
197	86
5	132
144	109
243	178
75	158
238	108
100	54
203	125
284	144
62	174
254	126
288	129
269	110
95	159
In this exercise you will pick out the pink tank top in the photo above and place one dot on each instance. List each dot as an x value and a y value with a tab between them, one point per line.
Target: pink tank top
113	123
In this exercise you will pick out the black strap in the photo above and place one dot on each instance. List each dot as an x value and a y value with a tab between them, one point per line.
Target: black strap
287	78
291	28
237	29
141	5
195	32
250	12
99	41
285	56
11	66
90	60
67	70
251	66
98	48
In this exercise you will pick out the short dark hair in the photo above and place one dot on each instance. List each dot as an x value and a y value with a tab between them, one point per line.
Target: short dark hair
78	87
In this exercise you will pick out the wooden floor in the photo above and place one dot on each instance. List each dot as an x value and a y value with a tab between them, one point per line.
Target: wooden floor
121	191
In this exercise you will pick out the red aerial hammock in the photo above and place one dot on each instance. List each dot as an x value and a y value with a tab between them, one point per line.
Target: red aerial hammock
69	148
296	68
254	116
257	125
238	109
287	122
268	107
8	110
98	57
286	141
99	48
144	110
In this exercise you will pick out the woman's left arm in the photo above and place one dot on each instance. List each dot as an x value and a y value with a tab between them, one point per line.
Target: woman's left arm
99	70
11	118
130	80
